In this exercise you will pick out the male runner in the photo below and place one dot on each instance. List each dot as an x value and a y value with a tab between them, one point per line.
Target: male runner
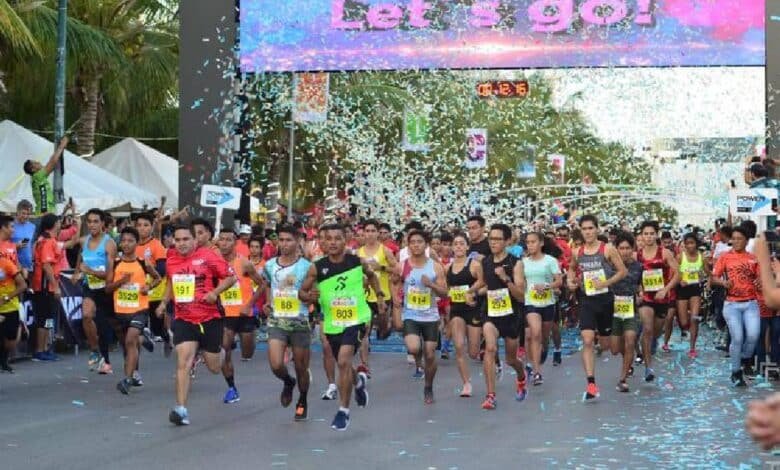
475	225
339	279
152	250
596	266
196	277
289	319
624	322
12	285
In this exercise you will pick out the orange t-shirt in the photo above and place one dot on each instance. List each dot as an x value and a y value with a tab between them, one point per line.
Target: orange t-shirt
47	251
741	270
8	273
8	250
128	298
242	249
153	250
235	297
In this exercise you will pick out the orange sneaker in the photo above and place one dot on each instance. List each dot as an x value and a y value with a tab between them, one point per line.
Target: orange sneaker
489	403
592	391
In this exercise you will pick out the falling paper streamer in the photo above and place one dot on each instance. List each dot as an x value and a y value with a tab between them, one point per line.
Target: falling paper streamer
417	127
310	96
476	148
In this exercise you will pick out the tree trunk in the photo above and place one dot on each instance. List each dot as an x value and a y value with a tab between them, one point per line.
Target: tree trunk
90	90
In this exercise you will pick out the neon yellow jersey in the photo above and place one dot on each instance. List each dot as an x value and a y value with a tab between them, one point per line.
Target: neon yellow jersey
384	275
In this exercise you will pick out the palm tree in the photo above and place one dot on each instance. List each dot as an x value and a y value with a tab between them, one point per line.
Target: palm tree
14	35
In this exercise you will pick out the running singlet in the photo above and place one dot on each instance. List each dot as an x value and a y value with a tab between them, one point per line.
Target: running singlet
192	277
741	269
155	252
419	301
690	272
655	275
541	271
342	298
8	273
128	298
625	291
285	282
594	267
384	276
96	261
459	283
235	296
500	302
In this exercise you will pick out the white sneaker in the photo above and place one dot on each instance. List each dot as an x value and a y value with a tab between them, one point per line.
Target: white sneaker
331	393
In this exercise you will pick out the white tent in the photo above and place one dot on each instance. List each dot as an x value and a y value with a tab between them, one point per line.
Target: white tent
88	185
143	166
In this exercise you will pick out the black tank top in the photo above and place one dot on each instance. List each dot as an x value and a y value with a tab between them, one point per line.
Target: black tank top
494	282
462	278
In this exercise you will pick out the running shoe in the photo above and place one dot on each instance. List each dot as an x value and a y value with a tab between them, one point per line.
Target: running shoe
231	396
639	360
622	387
147	342
94	360
522	390
410	359
649	374
50	356
419	373
738	379
136	380
591	392
105	368
693	354
5	367
684	334
301	411
287	393
340	422
556	358
521	353
538	379
331	393
364	369
179	417
529	370
39	357
665	347
630	371
466	391
444	353
598	349
489	403
124	386
428	396
361	391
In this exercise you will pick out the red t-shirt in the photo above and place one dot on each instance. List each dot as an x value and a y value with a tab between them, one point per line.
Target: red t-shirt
192	278
393	246
47	251
742	271
565	260
269	251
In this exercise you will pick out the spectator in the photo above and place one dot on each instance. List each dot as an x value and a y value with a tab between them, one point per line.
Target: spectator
758	177
41	186
45	283
270	250
763	421
242	245
24	232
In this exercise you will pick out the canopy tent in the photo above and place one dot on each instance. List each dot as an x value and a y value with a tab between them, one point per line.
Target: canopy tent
88	184
143	166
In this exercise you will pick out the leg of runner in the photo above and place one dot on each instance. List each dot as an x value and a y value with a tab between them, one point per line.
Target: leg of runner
668	328
102	315
301	357
429	353
228	372
276	348
129	339
490	335
534	345
90	331
248	344
647	316
329	364
458	335
589	361
694	309
556	336
185	354
547	327
365	345
474	334
510	358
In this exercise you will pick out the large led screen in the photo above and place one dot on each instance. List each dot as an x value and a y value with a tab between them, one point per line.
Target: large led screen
309	35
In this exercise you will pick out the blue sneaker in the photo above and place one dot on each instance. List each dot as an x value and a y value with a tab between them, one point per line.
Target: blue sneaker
51	356
418	373
340	422
179	417
94	360
361	393
39	357
649	374
231	396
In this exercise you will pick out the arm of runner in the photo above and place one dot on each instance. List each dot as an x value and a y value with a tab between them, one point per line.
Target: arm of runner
717	274
390	257
308	293
620	268
373	281
77	272
166	298
156	278
114	283
517	287
111	250
224	285
55	158
440	285
571	274
250	271
675	268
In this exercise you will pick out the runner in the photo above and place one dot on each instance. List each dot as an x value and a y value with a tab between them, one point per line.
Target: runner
237	302
475	225
339	280
193	273
737	272
543	277
152	250
12	285
96	261
382	262
289	319
504	286
47	256
693	272
444	257
130	283
423	281
659	276
624	322
595	267
465	318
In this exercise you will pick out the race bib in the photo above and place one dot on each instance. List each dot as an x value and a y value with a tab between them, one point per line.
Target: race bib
690	277
652	280
624	307
231	297
344	312
458	294
418	299
94	282
286	303
590	288
499	303
541	298
128	296
183	288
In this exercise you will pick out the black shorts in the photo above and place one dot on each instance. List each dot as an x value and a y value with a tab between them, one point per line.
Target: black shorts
659	310
208	335
351	336
45	306
104	303
470	315
508	326
427	330
688	292
135	320
242	324
9	328
547	313
596	313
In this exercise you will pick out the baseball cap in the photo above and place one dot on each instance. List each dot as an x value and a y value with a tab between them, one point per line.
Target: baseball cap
245	230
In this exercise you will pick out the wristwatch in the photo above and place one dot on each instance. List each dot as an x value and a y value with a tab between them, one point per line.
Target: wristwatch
6	298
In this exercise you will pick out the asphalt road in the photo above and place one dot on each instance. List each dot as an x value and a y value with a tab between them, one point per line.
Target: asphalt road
61	416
